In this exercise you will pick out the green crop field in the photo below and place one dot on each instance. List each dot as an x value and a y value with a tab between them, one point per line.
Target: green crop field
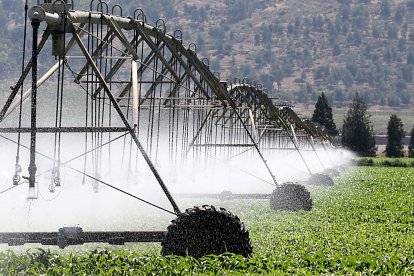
385	162
363	224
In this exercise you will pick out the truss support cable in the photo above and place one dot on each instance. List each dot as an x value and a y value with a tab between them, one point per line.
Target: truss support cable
12	187
11	104
257	148
295	142
137	27
125	121
28	92
328	154
17	87
72	159
95	179
191	144
312	144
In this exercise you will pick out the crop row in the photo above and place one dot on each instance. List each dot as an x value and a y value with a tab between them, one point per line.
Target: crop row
384	162
362	224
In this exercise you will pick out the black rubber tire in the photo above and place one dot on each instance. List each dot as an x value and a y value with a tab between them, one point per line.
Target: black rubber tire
319	179
291	197
205	230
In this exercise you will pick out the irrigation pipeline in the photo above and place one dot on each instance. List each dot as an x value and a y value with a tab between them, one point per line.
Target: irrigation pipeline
138	79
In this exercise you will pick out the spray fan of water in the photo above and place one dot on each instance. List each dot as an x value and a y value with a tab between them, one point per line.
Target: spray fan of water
83	201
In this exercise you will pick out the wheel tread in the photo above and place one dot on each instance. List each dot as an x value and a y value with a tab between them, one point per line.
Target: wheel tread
188	232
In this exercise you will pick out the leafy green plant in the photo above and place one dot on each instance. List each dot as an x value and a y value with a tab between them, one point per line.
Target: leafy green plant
362	225
384	162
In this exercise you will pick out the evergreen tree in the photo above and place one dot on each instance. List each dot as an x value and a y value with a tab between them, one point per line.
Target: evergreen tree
410	4
344	2
410	58
323	115
357	131
385	8
399	14
411	145
395	134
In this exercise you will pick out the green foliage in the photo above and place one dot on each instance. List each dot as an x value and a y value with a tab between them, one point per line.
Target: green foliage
406	72
363	225
395	134
410	58
357	132
238	10
385	8
336	49
410	4
345	2
364	161
411	144
399	14
322	115
392	31
384	162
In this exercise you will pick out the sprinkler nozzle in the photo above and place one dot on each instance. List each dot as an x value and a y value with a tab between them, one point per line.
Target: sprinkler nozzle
32	193
16	179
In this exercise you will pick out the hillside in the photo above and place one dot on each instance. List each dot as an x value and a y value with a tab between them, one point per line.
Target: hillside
295	48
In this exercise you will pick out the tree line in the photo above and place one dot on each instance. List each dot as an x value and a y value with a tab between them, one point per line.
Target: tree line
357	130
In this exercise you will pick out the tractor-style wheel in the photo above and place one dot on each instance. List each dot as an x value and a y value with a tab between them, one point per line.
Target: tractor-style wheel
200	231
319	179
291	197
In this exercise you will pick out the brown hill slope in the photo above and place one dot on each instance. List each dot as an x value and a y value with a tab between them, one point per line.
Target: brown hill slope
295	48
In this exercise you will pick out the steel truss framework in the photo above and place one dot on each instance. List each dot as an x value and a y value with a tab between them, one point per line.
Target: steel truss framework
139	80
276	125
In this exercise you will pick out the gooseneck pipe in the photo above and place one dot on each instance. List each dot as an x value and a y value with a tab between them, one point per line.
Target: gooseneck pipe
32	166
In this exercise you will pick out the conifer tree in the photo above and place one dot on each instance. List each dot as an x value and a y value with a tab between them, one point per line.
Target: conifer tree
385	8
357	130
323	115
395	134
411	144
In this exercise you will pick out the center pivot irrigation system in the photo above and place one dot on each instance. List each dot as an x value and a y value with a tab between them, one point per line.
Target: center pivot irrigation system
136	83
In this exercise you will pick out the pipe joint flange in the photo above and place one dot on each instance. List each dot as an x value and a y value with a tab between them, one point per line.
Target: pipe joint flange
37	13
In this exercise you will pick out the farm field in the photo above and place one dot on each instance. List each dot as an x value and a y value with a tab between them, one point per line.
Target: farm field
385	162
363	224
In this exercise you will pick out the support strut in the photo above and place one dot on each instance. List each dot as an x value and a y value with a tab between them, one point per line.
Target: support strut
32	166
125	121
